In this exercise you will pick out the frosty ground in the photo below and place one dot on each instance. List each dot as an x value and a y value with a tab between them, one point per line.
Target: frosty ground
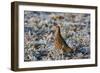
39	37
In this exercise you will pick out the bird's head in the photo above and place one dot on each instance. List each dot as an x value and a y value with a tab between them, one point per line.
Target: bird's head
55	27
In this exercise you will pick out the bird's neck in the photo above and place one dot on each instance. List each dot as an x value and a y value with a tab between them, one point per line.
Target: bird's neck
58	33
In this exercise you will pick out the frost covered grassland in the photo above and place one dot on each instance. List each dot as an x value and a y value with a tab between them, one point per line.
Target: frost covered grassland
39	37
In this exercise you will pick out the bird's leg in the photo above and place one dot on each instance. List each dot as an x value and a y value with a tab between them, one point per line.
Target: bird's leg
57	54
62	57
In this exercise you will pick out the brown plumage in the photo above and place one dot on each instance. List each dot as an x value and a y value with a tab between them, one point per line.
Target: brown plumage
59	42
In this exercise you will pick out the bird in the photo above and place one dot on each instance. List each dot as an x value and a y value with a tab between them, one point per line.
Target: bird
59	42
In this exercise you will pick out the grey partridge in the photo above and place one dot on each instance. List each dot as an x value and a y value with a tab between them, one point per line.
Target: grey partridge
59	42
